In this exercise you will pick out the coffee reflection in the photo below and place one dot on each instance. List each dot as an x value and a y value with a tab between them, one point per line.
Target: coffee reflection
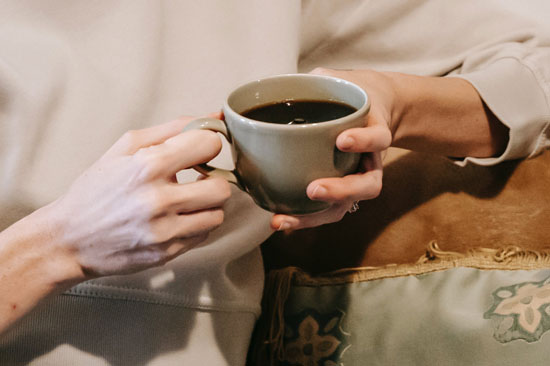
293	112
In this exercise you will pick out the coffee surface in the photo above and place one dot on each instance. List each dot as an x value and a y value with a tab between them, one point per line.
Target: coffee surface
299	111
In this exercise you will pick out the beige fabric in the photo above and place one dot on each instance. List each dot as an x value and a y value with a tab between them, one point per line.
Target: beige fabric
501	47
75	75
76	330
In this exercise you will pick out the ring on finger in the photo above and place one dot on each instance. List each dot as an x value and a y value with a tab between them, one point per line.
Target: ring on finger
354	207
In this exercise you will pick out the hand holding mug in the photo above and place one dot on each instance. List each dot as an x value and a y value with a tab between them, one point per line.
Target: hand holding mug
437	115
280	142
127	212
371	140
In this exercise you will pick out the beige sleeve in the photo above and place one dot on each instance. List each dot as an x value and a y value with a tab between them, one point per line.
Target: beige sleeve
501	46
513	79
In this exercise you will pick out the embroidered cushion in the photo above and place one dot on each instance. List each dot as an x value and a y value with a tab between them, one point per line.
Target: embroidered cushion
489	307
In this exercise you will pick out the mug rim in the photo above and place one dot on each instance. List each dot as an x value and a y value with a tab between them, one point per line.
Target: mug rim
270	125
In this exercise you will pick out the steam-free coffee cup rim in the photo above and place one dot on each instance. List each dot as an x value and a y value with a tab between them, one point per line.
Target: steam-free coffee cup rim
361	111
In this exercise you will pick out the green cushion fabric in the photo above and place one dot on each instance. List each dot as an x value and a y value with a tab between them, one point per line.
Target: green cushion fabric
481	309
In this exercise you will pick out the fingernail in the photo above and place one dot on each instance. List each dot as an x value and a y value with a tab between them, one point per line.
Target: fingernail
284	226
347	142
319	191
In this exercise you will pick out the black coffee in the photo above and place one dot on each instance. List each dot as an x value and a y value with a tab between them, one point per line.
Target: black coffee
299	111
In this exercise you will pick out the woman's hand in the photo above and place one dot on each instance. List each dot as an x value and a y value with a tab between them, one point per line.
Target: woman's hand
127	212
438	115
370	140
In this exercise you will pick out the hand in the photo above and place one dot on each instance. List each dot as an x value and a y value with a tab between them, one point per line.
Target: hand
127	212
370	140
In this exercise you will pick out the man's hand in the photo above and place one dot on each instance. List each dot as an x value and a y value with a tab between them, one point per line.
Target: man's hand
127	212
123	214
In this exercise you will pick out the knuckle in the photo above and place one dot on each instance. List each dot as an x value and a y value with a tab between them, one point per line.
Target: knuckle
342	195
161	235
154	236
375	188
338	214
377	191
130	139
148	235
222	187
154	202
387	137
175	247
205	222
147	163
208	142
211	139
217	217
341	213
365	141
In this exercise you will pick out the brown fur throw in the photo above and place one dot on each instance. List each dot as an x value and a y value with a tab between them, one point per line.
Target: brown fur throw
428	199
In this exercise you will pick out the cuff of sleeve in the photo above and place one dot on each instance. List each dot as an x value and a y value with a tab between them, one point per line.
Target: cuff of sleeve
513	93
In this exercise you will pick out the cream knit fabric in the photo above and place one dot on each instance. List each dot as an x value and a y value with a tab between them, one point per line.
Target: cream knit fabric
75	75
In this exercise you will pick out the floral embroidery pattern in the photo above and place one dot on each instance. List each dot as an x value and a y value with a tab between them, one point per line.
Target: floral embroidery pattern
313	339
521	311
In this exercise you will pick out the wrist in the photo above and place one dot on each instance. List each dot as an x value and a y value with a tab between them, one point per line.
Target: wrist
403	97
34	248
62	260
33	266
443	115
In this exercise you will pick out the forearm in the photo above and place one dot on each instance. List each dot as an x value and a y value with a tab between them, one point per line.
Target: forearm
32	267
444	116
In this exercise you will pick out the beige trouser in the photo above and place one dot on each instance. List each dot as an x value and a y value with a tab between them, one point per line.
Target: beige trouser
73	330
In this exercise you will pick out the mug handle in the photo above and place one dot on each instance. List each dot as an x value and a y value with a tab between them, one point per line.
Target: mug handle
215	125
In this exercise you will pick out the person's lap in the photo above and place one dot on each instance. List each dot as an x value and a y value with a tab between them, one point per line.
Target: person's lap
99	331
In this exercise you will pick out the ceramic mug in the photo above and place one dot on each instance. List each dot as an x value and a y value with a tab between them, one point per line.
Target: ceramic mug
274	162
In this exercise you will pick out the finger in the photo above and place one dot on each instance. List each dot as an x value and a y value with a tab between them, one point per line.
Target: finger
134	140
197	223
191	148
140	258
333	214
195	196
179	246
170	227
161	198
372	161
354	187
375	137
339	73
217	115
178	152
